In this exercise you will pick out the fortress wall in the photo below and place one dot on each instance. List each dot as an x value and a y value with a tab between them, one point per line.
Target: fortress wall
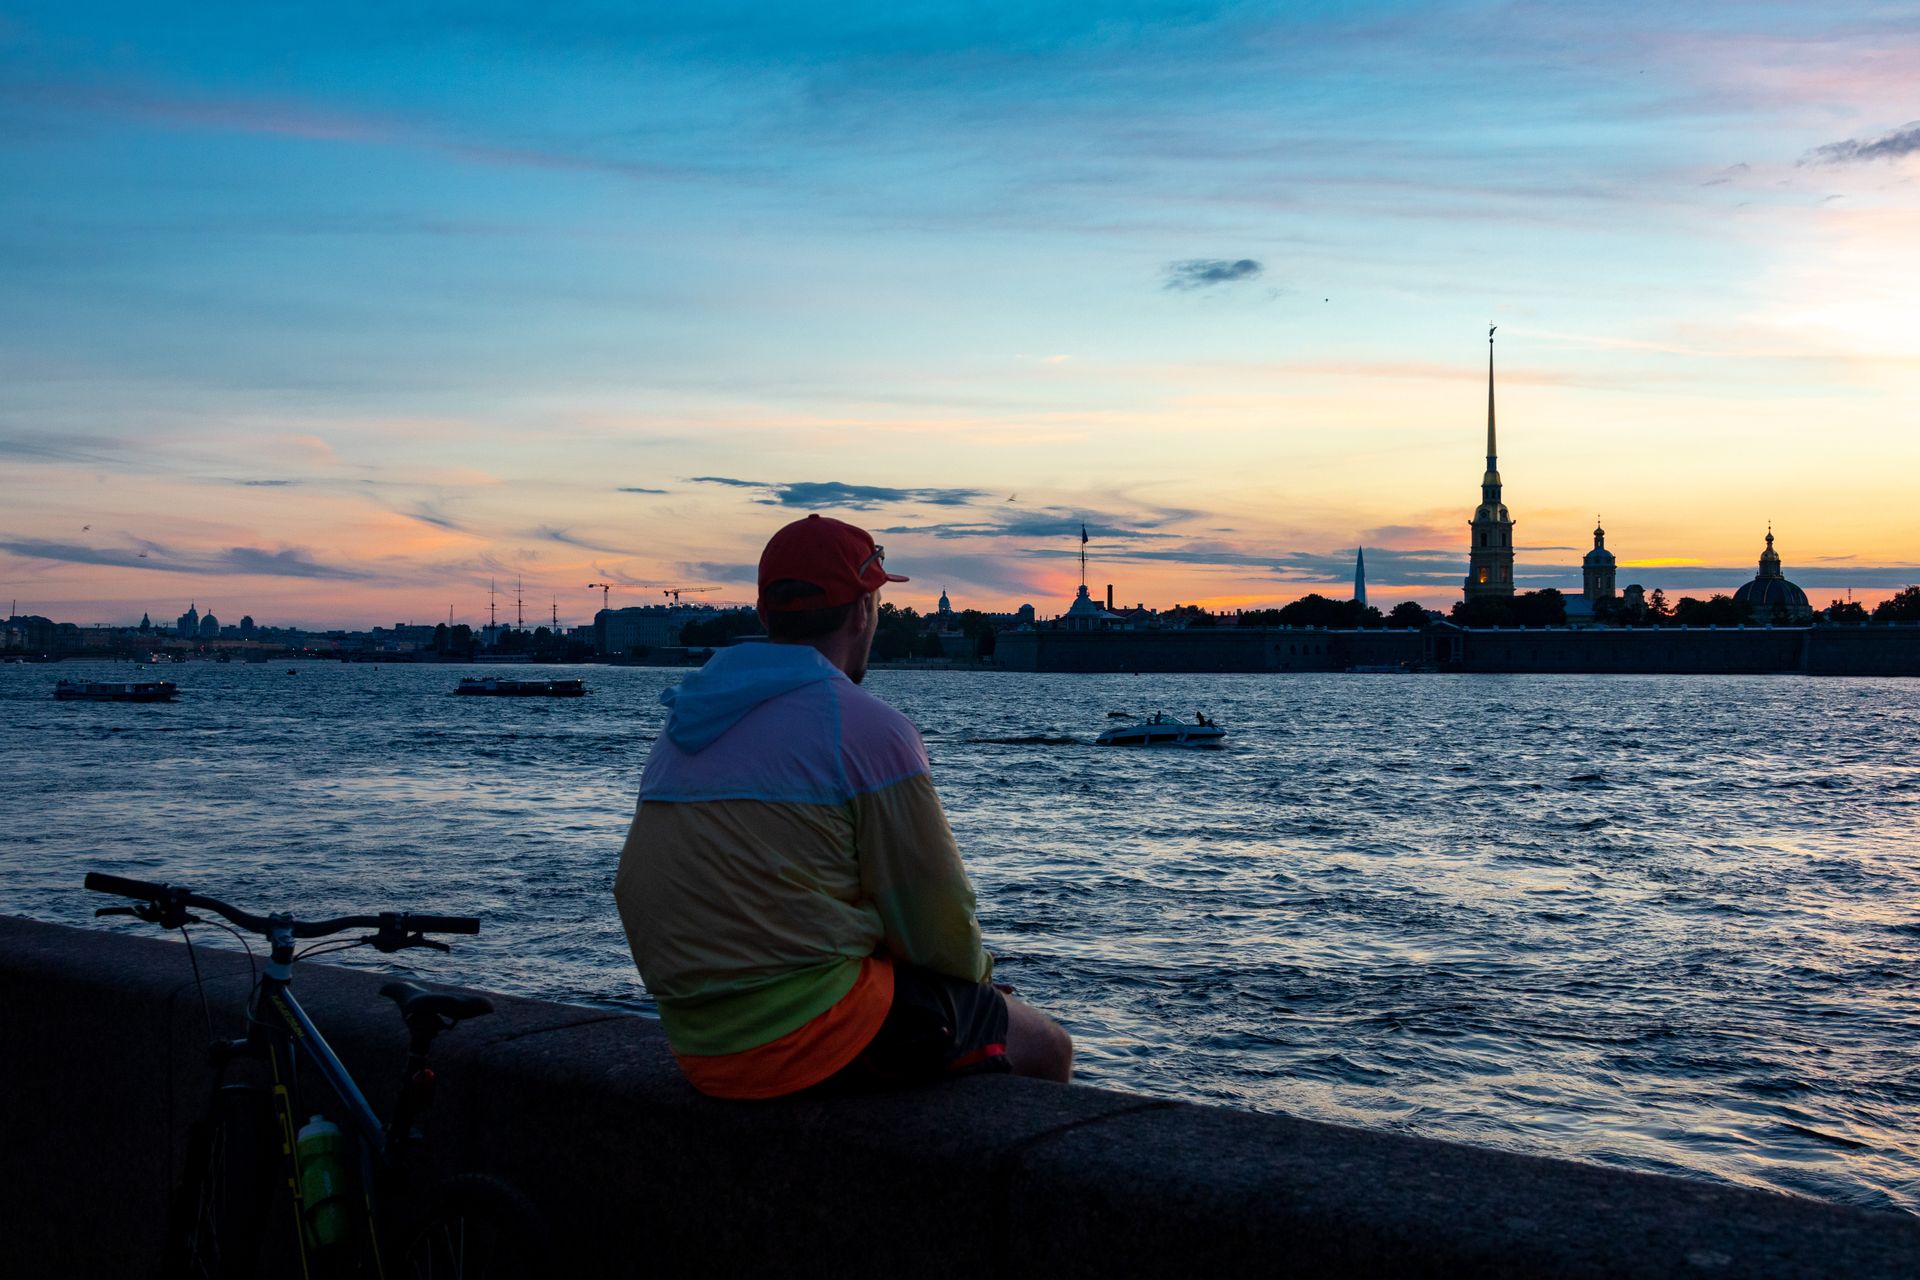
1206	649
1650	650
584	1110
1878	650
1872	650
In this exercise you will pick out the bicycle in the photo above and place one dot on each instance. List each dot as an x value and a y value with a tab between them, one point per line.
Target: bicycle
257	1197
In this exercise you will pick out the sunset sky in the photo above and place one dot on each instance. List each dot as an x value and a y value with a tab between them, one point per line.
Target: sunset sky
328	317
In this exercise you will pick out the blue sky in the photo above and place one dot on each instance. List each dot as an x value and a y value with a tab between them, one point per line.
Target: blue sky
1214	279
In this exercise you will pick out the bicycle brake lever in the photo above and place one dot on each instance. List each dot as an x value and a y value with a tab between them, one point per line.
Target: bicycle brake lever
388	943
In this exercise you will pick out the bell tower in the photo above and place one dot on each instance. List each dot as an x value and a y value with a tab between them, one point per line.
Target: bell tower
1490	556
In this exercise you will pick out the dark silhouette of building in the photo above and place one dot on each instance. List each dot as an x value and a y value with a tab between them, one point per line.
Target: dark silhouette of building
1596	572
1770	597
1490	560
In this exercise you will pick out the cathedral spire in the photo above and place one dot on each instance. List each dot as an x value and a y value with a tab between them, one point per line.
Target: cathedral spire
1492	452
1490	565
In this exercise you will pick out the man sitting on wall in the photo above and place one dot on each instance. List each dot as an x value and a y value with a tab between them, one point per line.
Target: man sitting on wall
789	886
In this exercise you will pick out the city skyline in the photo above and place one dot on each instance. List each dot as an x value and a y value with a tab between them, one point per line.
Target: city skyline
342	317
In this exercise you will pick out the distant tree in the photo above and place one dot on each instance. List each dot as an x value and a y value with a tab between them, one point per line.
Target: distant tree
1484	611
1903	606
721	629
1543	608
898	635
1408	615
1846	611
1719	611
542	637
440	634
930	646
1657	608
1316	610
979	628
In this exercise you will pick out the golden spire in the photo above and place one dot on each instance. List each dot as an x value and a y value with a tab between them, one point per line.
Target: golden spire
1492	452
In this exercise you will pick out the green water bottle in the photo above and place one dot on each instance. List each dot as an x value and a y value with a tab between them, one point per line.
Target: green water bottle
321	1153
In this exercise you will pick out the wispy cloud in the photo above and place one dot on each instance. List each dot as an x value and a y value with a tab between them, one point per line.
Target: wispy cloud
285	118
430	513
835	493
1204	273
637	489
1904	141
1057	522
288	562
264	484
567	537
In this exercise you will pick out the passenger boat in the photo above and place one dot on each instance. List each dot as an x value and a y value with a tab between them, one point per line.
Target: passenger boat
495	687
116	691
1162	730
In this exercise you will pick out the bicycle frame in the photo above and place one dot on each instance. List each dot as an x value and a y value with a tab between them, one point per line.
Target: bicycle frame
282	1036
280	1039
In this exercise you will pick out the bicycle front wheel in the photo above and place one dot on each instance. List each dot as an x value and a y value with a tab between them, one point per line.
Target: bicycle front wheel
476	1228
221	1204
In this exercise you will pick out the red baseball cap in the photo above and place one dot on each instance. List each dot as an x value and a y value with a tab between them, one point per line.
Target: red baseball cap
842	561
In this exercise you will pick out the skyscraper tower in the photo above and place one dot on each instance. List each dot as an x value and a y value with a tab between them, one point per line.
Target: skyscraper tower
1490	558
1360	574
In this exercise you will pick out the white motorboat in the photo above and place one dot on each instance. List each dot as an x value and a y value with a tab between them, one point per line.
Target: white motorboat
1162	730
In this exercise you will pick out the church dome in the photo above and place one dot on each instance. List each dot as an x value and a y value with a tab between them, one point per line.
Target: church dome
1599	555
1770	594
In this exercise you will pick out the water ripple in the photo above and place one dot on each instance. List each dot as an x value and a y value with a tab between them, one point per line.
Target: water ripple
1660	923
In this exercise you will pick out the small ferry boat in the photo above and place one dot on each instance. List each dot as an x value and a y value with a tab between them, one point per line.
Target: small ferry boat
1162	730
496	687
116	690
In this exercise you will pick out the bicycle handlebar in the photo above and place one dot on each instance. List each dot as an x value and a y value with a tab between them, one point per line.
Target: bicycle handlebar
101	882
174	900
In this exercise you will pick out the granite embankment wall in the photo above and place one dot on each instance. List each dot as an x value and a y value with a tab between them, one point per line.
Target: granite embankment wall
101	1063
1875	650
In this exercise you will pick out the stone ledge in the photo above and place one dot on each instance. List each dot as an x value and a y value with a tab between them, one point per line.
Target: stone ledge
585	1111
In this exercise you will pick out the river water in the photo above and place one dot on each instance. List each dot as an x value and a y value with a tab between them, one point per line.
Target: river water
1664	923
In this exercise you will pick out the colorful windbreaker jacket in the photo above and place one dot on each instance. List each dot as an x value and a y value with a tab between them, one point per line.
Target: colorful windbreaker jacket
787	830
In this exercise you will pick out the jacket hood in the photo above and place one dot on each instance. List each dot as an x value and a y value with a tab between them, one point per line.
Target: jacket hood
735	681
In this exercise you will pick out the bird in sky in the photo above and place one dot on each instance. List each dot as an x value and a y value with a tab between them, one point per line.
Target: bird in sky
143	555
1012	497
85	527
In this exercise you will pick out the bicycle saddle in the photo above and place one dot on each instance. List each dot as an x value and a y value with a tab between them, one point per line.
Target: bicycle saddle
416	1001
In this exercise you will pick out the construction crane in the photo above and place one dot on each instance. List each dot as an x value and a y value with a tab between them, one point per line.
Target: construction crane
675	592
604	588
